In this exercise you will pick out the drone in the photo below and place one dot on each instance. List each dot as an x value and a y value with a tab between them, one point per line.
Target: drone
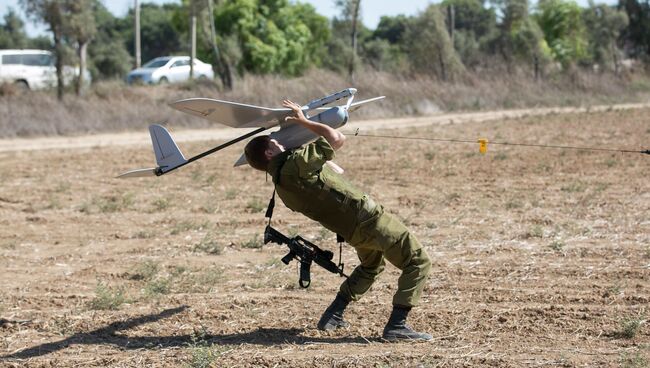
237	115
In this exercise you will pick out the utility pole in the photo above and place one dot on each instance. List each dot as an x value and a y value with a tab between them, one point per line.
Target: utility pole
193	38
138	51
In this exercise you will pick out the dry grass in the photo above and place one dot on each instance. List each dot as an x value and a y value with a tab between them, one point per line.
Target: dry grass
111	106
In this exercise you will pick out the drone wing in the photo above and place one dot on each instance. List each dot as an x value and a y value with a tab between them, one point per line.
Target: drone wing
232	114
357	105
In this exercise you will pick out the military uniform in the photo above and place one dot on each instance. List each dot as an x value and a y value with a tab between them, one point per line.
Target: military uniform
305	184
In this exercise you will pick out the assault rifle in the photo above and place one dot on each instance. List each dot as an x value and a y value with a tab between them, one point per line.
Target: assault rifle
306	252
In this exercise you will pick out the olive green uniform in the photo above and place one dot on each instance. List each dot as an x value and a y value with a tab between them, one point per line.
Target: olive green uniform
307	185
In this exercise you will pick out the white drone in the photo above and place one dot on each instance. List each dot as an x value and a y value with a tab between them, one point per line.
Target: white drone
169	157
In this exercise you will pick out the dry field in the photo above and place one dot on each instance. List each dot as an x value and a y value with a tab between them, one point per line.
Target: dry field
541	256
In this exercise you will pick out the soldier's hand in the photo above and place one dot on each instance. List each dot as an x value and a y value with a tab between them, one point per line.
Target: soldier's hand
297	110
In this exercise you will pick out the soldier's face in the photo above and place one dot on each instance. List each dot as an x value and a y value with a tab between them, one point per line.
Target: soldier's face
273	149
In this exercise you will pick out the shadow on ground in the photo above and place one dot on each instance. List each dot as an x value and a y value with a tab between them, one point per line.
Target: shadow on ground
109	336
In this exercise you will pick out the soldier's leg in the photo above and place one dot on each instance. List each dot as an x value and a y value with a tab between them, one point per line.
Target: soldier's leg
364	275
409	256
404	251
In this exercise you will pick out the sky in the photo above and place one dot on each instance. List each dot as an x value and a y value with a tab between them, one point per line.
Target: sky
372	10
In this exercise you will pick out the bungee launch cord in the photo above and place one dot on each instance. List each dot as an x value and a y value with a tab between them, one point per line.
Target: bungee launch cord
483	143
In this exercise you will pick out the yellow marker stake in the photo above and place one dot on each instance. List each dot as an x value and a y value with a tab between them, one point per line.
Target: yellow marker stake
483	145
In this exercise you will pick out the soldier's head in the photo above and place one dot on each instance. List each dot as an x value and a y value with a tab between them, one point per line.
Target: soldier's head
260	150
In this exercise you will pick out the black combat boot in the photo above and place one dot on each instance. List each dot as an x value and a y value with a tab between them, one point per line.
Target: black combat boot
397	330
333	316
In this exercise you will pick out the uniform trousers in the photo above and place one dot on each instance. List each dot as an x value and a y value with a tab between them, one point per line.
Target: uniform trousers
379	237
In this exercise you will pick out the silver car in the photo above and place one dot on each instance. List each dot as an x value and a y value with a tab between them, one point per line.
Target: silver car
169	69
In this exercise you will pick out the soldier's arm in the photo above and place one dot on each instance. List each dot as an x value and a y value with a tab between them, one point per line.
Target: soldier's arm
335	138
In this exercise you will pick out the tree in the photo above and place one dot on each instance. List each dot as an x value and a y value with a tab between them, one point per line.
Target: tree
12	32
223	66
208	44
520	36
274	36
429	46
81	27
637	34
392	29
384	48
158	32
475	28
51	12
350	13
604	26
564	31
108	55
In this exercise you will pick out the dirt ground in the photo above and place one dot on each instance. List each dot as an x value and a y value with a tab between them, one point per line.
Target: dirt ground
541	257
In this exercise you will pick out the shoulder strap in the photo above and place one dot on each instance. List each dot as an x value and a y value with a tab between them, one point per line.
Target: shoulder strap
270	207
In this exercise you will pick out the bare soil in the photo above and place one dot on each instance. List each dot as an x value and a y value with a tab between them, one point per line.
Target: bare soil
541	256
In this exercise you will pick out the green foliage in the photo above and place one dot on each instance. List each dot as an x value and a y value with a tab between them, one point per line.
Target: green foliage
255	205
158	35
527	40
604	26
520	37
107	298
473	16
392	29
157	287
557	245
80	22
188	225
145	271
564	30
12	32
203	357
629	328
108	55
274	36
112	203
475	29
209	245
382	55
429	46
384	48
637	33
252	243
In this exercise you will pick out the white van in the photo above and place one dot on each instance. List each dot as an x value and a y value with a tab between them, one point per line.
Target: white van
33	69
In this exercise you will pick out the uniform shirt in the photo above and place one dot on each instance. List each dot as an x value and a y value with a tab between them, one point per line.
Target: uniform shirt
306	185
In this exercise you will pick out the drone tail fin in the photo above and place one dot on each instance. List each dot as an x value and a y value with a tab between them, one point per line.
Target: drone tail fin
168	155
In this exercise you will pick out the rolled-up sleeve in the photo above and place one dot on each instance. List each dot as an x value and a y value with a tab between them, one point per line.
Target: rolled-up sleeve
313	156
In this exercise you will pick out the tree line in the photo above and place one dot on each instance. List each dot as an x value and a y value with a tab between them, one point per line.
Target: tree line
447	40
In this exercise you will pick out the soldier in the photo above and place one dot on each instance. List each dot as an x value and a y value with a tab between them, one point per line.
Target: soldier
308	182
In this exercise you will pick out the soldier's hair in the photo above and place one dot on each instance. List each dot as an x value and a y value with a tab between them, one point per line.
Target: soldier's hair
255	152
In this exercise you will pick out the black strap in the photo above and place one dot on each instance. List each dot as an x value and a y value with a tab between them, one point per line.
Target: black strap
271	206
340	240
